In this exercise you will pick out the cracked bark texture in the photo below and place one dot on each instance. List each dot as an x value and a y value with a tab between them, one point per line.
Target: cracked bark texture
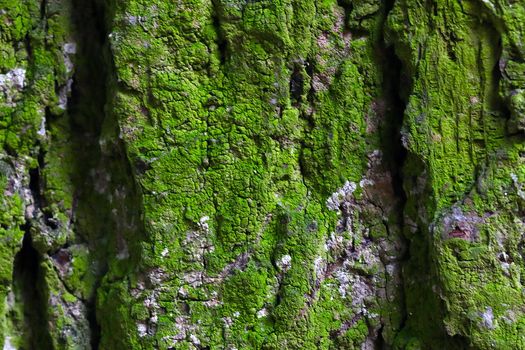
262	174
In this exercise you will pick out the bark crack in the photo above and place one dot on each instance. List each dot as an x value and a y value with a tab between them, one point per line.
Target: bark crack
394	152
29	286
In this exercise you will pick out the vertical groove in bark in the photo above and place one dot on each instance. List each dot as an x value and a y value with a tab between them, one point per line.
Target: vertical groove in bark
29	285
107	199
393	78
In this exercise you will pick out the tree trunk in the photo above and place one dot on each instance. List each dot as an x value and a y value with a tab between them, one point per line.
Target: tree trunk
262	174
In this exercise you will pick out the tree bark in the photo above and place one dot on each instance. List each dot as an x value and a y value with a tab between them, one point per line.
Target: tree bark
262	174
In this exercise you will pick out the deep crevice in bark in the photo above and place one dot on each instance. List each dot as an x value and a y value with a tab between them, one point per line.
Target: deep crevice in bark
94	225
108	208
43	9
347	7
86	117
222	43
392	146
397	86
394	153
29	286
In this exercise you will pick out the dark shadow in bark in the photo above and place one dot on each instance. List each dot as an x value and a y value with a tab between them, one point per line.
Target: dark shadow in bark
28	284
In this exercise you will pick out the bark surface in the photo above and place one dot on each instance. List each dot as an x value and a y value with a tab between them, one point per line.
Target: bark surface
262	174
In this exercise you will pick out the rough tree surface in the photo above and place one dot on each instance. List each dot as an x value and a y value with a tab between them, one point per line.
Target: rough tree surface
262	174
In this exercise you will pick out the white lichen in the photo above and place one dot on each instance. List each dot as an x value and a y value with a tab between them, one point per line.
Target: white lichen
195	340
487	318
366	182
262	313
341	195
63	94
69	49
518	186
285	263
42	130
17	78
203	223
333	242
142	329
11	84
319	266
194	278
228	322
8	345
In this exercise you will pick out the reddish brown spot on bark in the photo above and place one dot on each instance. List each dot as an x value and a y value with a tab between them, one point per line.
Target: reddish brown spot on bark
459	233
62	257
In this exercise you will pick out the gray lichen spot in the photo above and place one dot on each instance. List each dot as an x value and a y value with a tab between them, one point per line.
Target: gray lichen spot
11	84
262	313
342	194
487	318
518	185
285	263
8	345
142	329
64	93
42	129
69	49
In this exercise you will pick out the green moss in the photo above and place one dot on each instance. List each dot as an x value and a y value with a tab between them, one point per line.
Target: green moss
461	142
224	136
205	162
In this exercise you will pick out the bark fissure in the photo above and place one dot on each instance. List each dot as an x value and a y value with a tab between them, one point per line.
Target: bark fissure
221	42
87	116
393	149
104	178
30	287
394	152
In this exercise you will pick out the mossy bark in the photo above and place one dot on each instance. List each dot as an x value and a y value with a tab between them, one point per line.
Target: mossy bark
262	174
